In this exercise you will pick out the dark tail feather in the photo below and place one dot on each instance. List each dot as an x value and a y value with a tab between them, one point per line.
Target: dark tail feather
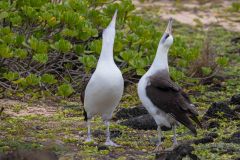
187	123
85	115
195	119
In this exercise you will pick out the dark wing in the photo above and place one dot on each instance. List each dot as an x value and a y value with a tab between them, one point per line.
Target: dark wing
170	98
163	83
84	85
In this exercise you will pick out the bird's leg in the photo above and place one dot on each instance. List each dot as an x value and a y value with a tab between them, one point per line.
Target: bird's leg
89	139
159	145
175	143
109	142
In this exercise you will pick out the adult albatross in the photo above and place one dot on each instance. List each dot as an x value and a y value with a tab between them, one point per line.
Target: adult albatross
105	88
164	99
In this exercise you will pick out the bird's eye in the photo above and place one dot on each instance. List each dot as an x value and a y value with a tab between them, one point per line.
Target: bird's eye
166	36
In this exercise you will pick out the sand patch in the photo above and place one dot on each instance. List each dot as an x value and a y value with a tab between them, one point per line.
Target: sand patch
193	13
17	108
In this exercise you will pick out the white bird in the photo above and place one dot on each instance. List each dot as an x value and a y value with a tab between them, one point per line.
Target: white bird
164	99
105	88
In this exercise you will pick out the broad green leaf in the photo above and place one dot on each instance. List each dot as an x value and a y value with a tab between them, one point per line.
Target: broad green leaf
65	90
5	51
3	15
32	79
62	46
48	78
222	61
38	46
41	58
20	53
206	70
89	62
11	76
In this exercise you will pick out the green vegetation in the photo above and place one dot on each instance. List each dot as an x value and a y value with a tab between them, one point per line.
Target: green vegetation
44	45
235	7
46	49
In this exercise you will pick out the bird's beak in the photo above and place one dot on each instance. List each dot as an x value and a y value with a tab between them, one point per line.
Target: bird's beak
169	26
113	22
115	15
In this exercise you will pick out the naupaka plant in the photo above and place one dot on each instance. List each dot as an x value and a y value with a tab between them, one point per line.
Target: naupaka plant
48	48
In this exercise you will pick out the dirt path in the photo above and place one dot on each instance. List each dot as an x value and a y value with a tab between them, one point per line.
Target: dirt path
17	108
193	13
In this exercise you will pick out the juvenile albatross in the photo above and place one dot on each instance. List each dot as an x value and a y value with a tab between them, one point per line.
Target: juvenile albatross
164	99
105	88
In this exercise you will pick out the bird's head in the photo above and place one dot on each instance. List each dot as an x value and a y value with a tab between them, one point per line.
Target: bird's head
109	32
167	38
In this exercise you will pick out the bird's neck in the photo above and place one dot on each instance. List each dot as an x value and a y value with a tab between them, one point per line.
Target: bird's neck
161	59
107	52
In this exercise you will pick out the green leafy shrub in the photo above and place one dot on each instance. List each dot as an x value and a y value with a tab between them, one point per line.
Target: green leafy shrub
65	90
50	47
235	7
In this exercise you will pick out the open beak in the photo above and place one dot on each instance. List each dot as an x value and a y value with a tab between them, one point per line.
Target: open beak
169	26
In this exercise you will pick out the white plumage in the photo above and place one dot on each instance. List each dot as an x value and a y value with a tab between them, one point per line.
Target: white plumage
105	88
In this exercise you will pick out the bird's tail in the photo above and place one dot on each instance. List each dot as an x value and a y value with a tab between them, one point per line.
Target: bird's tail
85	115
195	119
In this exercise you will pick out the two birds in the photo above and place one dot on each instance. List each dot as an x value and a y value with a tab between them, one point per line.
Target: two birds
163	99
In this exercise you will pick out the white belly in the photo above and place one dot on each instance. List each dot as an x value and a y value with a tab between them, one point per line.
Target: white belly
160	117
103	92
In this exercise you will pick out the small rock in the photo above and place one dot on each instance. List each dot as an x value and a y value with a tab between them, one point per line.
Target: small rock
220	110
228	151
50	143
235	138
204	140
212	134
235	99
235	40
114	133
144	122
29	155
213	124
217	87
38	128
213	79
176	154
98	133
103	147
193	156
126	113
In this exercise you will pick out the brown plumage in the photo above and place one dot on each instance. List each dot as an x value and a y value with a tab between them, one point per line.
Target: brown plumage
170	98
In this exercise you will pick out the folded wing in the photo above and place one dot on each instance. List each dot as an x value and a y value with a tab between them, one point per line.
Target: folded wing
170	98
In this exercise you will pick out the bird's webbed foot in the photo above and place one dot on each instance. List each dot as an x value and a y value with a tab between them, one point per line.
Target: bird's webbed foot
111	143
159	148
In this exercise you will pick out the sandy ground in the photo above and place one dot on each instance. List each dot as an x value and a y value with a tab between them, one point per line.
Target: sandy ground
17	108
193	13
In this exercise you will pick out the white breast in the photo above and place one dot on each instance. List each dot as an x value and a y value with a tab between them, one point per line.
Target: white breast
104	90
160	117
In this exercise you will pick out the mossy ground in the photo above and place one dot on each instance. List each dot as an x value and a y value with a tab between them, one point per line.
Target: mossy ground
60	127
